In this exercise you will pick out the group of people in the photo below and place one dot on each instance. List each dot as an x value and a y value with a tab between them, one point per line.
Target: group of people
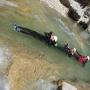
73	52
52	40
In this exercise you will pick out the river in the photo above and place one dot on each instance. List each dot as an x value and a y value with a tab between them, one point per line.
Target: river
34	62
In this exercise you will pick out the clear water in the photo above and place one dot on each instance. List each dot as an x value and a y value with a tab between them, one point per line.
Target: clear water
42	19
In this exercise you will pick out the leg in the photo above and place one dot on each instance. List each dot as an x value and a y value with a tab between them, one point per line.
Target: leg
84	63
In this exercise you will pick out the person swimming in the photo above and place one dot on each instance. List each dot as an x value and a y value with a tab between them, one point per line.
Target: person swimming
68	50
51	39
83	59
17	28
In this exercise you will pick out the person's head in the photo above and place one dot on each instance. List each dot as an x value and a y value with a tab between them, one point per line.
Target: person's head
88	58
51	33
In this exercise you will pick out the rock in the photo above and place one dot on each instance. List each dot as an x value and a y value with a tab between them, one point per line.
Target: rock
67	86
73	14
65	3
63	85
87	12
88	29
83	3
80	13
83	25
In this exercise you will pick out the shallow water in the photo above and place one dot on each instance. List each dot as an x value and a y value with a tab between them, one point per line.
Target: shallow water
43	19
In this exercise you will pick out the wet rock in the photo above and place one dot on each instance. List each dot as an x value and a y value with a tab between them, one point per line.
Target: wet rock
65	3
63	85
87	12
83	3
81	17
83	25
73	14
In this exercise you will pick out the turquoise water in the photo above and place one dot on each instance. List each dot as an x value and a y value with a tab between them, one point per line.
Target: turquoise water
42	19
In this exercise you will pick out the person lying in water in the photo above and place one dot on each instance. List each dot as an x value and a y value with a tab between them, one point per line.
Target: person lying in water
51	38
83	59
66	47
17	28
68	50
72	51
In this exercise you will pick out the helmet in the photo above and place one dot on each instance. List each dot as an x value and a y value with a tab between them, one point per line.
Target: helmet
55	38
88	57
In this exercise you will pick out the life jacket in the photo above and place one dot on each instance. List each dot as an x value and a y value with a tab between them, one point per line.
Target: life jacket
82	59
53	38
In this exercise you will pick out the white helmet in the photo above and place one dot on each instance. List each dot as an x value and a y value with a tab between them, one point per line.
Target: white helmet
55	38
88	57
